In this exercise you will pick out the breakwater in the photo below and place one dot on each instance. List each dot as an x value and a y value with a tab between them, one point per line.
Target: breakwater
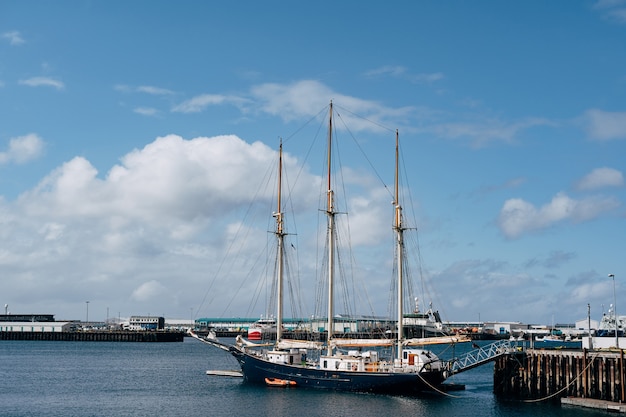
95	336
543	375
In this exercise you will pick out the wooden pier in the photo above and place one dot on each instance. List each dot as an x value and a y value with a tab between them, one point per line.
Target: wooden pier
97	336
550	375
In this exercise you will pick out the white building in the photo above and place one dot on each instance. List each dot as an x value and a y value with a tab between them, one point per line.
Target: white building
34	326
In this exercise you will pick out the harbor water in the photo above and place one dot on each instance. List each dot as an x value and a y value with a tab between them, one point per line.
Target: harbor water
40	378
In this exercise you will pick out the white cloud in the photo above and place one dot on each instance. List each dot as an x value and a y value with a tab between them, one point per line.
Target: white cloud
614	10
23	149
14	37
603	125
148	89
170	181
149	291
518	217
394	71
154	90
305	99
52	231
427	77
43	82
201	102
488	130
603	4
125	237
601	177
152	230
403	73
146	111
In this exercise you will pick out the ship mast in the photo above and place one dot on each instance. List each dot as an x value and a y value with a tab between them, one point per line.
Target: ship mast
398	228
280	236
330	212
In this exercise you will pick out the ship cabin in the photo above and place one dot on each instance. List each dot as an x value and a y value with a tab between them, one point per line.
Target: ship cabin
419	359
288	357
354	360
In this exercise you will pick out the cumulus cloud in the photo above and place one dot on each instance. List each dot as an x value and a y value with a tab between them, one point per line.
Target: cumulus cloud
170	178
158	218
518	217
602	125
153	229
22	149
43	82
14	37
600	178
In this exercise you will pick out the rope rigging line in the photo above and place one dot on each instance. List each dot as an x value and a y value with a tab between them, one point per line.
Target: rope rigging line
231	245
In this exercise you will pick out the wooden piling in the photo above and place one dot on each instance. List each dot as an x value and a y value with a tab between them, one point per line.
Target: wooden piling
542	375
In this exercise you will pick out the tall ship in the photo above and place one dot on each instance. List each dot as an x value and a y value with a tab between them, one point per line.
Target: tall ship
397	366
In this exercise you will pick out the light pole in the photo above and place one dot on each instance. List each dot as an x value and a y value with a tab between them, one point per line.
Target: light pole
589	320
87	319
615	311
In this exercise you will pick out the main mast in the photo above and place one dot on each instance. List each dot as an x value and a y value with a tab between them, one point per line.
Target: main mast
330	212
398	228
280	236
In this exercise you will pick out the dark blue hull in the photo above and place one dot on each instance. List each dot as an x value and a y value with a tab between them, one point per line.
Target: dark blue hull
256	369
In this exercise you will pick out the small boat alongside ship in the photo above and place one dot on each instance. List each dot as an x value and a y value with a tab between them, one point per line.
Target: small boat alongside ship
282	383
338	363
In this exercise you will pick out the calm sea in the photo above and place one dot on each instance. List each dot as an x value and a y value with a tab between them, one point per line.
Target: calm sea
168	379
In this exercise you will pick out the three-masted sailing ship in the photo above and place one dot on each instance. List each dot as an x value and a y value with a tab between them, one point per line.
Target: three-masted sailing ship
342	364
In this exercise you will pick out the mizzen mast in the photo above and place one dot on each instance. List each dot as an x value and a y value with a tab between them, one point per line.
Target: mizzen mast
280	237
330	212
399	229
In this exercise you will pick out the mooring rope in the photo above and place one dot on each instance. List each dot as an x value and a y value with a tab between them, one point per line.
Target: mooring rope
591	360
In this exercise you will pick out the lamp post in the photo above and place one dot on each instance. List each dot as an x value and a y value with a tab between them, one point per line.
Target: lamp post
589	320
615	311
87	319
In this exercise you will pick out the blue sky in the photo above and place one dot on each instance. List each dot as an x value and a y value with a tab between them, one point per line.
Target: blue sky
120	121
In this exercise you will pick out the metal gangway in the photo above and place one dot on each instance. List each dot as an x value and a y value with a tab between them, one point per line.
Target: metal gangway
481	356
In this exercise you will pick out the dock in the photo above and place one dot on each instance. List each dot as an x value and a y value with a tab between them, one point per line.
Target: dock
97	336
577	377
232	374
595	404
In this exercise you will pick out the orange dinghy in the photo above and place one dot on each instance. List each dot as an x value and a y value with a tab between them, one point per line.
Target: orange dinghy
275	382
